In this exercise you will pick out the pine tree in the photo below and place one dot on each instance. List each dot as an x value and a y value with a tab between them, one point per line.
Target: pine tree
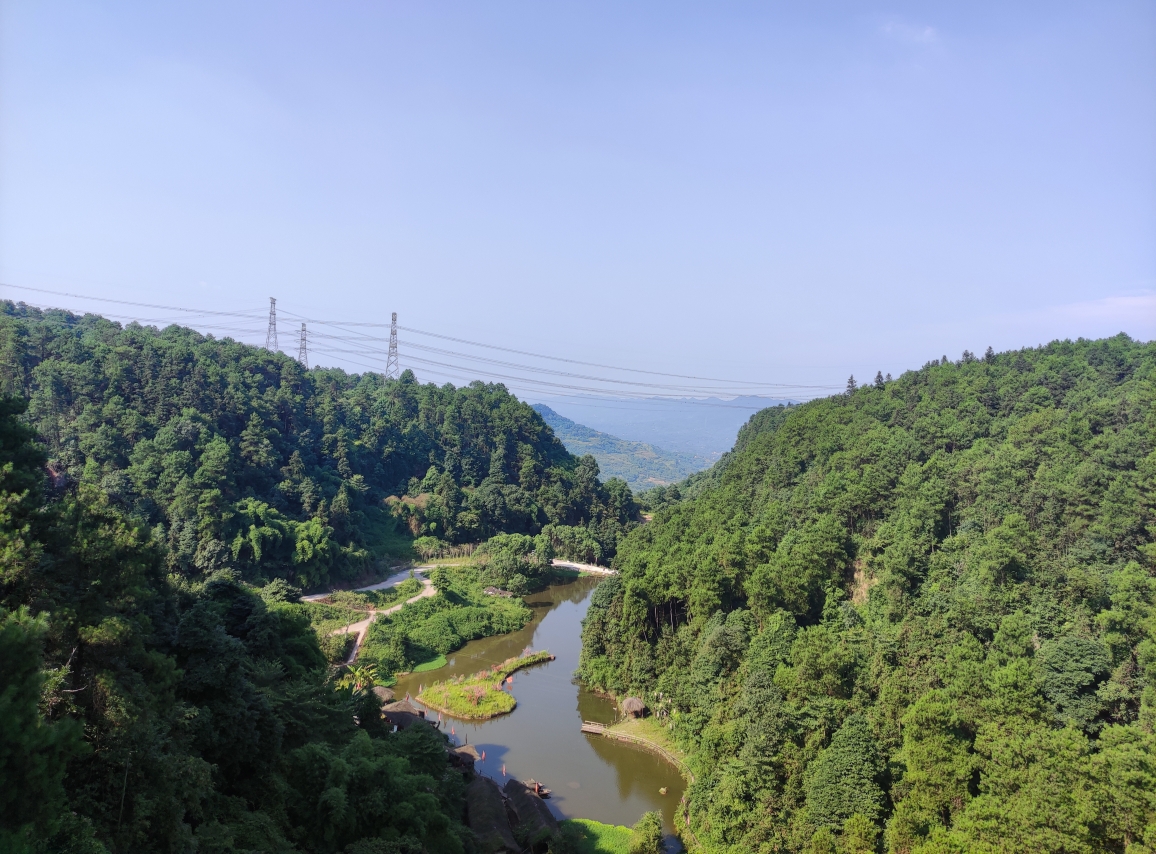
878	379
851	385
33	752
846	777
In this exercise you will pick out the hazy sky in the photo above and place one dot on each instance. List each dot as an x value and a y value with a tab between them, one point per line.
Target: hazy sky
766	191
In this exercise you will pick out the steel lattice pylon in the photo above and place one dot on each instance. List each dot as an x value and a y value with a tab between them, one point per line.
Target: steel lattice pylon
271	334
391	368
303	349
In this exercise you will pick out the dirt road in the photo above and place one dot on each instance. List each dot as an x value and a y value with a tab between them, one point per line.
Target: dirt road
584	567
362	628
397	577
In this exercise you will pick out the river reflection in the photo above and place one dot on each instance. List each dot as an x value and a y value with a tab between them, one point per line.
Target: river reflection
591	776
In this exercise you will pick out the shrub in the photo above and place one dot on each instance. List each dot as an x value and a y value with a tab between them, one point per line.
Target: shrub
646	837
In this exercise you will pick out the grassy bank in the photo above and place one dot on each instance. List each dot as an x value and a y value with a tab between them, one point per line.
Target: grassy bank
432	664
651	734
587	836
480	696
652	730
343	607
417	635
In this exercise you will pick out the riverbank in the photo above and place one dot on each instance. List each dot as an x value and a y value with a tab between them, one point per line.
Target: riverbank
602	779
480	697
649	734
440	625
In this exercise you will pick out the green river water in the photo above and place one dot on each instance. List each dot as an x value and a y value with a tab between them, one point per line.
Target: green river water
591	776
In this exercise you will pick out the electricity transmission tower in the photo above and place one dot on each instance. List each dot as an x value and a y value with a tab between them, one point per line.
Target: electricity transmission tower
303	350
391	369
271	334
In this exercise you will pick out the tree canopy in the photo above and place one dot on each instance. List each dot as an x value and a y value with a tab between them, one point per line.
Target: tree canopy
238	458
916	615
163	497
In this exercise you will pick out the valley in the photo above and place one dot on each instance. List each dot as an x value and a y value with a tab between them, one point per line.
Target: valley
912	617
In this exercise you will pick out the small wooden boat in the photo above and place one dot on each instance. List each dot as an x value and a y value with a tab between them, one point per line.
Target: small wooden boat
537	788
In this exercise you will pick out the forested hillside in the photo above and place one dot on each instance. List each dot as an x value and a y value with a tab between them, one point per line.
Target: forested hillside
640	464
144	712
695	484
239	458
162	689
916	617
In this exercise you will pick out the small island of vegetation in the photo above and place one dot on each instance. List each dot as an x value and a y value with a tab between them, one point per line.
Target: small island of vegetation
479	697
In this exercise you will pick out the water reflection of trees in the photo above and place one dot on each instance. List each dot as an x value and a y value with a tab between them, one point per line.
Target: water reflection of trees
641	773
481	653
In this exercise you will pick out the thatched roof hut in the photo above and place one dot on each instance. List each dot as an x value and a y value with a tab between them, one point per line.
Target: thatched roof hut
403	706
464	756
633	707
384	695
533	815
403	714
486	816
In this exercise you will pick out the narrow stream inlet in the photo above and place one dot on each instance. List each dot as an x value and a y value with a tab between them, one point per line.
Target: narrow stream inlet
590	776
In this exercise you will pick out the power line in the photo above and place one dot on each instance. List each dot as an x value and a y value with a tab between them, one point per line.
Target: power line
739	388
246	314
518	382
586	401
160	323
340	323
645	390
369	353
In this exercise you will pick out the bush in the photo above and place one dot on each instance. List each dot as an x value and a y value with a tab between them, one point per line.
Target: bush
646	837
336	648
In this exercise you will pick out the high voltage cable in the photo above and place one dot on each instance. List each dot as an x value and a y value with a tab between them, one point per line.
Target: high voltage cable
501	363
341	323
158	322
252	315
514	384
247	314
370	355
718	390
540	370
513	380
584	400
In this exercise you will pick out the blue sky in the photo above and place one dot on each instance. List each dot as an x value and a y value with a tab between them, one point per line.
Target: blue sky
773	192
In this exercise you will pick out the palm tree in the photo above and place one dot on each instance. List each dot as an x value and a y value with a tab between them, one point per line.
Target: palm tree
360	676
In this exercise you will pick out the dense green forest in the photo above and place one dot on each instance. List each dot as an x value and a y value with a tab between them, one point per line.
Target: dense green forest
144	712
239	458
640	464
162	688
914	617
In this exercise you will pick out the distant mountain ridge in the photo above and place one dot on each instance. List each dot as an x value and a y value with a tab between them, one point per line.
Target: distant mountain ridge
695	426
640	464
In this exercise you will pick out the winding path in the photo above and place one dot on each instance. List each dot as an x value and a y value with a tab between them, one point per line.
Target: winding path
584	567
396	578
362	627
